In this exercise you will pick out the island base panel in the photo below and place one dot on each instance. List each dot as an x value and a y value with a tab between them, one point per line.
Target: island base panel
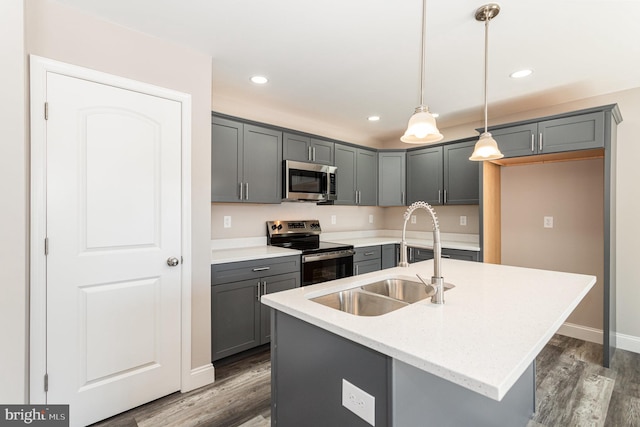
421	398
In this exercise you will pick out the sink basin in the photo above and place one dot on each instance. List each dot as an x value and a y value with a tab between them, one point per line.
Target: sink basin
359	303
401	289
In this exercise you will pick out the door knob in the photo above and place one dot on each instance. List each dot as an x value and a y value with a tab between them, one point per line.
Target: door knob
173	261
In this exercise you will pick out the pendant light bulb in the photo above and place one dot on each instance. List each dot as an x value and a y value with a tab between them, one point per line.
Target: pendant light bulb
486	148
422	128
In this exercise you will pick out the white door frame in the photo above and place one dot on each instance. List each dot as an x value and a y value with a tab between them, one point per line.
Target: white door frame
39	67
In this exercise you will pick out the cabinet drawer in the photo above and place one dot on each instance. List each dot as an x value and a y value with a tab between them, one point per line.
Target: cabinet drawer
366	253
368	266
244	270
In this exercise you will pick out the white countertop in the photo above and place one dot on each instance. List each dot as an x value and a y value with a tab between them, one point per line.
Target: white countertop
415	242
492	326
221	256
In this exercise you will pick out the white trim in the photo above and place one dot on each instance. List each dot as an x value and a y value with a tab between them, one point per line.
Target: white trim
39	67
628	343
581	332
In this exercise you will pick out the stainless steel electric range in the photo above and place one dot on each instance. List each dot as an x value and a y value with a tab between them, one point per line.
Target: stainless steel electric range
321	261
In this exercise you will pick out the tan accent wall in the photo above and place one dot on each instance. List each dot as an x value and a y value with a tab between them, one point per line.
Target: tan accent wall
62	33
572	193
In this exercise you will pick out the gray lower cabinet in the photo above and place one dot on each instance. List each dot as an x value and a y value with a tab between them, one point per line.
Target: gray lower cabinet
579	132
392	177
357	176
420	254
443	175
238	320
245	162
367	259
390	256
307	149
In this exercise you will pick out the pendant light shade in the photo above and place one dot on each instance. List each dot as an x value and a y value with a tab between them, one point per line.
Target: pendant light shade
486	148
422	128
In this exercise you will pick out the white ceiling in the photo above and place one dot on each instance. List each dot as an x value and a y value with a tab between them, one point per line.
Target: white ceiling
344	60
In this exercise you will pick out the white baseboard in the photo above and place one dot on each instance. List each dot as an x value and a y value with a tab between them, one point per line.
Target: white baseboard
581	332
628	342
623	342
199	377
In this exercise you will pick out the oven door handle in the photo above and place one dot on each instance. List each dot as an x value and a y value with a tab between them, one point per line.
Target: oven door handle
327	255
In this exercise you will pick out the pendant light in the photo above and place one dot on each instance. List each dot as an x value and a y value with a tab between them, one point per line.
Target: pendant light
422	127
486	148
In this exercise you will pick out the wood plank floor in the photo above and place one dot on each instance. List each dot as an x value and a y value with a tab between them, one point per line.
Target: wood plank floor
572	389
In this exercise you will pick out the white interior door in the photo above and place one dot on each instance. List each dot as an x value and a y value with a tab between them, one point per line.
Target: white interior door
113	200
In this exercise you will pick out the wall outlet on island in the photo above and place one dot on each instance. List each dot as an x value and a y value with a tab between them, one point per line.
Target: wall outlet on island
227	221
359	402
333	219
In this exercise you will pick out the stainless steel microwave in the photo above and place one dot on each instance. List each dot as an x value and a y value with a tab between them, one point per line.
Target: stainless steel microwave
308	181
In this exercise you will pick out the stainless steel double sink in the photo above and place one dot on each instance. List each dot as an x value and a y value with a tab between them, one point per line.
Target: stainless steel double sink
377	298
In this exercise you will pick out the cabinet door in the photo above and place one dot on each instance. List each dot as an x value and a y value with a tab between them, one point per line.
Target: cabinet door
262	165
322	151
235	317
461	254
392	176
296	147
226	160
420	254
571	133
461	175
367	177
517	141
363	267
345	175
390	256
271	285
424	175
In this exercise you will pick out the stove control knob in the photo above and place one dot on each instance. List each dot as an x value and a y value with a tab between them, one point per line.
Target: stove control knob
279	226
273	227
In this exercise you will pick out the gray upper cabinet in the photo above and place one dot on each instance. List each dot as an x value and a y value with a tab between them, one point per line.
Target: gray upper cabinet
357	175
580	132
461	175
443	175
245	162
306	149
392	178
424	175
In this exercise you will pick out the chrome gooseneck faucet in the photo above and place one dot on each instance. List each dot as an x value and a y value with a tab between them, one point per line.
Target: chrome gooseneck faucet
437	281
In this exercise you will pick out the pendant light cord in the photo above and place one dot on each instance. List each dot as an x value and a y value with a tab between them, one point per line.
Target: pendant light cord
486	68
422	57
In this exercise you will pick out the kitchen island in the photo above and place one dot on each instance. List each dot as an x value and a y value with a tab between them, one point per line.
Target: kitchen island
470	361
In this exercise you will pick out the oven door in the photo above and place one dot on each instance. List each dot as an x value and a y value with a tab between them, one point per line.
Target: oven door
322	267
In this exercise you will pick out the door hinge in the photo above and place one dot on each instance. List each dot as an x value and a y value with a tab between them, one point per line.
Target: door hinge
46	382
46	246
46	111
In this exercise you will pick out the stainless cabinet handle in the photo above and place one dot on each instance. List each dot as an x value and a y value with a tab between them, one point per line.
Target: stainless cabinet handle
445	256
309	156
260	268
173	261
314	154
264	287
368	253
402	197
533	146
241	192
258	291
445	197
356	270
540	143
246	191
438	196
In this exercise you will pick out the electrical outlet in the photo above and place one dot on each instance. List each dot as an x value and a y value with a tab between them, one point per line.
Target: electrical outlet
370	219
359	402
227	222
463	220
548	222
333	219
413	219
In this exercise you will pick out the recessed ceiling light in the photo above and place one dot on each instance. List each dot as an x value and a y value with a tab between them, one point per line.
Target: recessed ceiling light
259	80
520	74
373	118
435	115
